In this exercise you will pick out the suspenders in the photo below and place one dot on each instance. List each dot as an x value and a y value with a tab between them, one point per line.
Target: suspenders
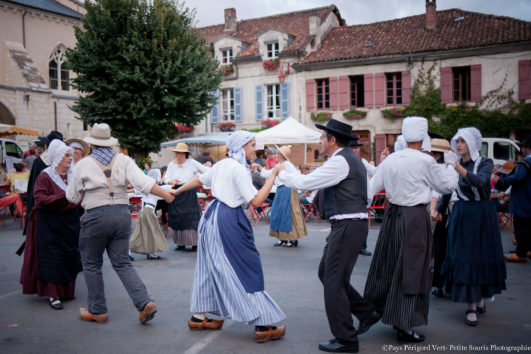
107	172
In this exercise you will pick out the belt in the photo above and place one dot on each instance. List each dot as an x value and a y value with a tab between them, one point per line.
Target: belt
333	221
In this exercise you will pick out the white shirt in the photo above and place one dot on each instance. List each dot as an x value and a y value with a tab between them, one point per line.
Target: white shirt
150	200
331	173
409	176
184	172
231	182
287	165
371	170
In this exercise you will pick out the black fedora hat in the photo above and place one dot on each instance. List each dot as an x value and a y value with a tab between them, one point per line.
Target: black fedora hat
337	128
354	141
526	141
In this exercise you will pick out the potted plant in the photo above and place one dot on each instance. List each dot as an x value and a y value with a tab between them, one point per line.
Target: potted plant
227	69
268	123
271	65
394	113
321	116
183	128
354	114
227	126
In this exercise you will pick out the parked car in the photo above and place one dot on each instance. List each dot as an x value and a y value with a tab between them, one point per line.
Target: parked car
500	150
10	153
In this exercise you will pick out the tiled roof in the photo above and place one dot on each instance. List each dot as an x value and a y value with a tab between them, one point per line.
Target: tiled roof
295	23
456	29
50	6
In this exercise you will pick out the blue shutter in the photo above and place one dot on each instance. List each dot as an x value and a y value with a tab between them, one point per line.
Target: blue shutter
214	114
259	90
284	100
238	104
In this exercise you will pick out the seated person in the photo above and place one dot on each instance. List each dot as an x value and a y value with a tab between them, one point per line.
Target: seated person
19	179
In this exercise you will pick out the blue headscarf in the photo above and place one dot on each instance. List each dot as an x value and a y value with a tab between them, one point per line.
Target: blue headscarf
235	145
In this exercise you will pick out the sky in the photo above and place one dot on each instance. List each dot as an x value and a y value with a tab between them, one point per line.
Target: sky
210	12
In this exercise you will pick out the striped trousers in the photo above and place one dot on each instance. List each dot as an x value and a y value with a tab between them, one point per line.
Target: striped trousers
108	228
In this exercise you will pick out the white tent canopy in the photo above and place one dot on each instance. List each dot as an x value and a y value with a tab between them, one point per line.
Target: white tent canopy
289	131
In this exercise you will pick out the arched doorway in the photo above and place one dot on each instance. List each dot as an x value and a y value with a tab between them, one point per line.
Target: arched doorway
6	116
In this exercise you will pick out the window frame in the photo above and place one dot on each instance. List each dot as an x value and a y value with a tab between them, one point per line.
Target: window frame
357	90
272	53
462	77
58	75
394	90
227	105
226	59
322	90
273	94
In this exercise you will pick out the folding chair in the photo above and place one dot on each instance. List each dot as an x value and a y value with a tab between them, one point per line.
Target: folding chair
378	203
255	216
310	211
505	220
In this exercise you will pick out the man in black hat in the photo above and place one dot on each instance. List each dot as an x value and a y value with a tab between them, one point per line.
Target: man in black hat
38	165
520	205
344	181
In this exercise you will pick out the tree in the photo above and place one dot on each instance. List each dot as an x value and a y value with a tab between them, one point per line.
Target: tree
141	68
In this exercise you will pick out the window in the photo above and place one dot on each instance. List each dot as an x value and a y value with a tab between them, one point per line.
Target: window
484	150
323	93
393	88
57	70
461	77
273	101
227	101
13	150
357	91
272	50
504	151
226	56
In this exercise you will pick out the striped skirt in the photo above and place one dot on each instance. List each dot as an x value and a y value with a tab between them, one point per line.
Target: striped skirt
217	287
385	281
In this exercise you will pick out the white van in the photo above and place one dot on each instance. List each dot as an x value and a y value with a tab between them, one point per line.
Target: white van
500	150
10	153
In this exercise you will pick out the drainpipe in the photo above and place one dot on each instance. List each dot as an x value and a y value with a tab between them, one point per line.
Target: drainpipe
55	114
24	29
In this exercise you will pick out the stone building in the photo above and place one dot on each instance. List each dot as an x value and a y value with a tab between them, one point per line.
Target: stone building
34	84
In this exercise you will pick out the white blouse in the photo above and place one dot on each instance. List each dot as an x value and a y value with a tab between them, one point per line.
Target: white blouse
409	176
184	172
230	181
289	169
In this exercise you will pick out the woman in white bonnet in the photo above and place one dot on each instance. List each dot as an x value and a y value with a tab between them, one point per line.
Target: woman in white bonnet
228	279
474	265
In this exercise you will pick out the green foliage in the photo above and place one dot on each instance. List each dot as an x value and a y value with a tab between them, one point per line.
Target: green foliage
353	113
141	67
321	116
425	97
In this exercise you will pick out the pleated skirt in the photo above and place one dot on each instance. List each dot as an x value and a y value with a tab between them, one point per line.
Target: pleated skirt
384	286
217	289
147	236
286	221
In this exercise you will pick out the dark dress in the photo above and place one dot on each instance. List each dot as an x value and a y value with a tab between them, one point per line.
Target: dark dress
36	169
51	257
474	266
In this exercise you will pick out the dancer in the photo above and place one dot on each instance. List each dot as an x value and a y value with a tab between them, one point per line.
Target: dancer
400	276
228	279
344	180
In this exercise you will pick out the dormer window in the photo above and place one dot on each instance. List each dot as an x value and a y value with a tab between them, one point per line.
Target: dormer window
272	50
226	56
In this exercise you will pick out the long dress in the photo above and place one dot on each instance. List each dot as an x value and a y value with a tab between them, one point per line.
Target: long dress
286	221
474	266
184	212
51	257
228	279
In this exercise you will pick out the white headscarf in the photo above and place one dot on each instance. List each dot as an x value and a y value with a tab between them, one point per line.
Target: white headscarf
56	151
235	145
415	129
426	144
400	143
472	137
155	173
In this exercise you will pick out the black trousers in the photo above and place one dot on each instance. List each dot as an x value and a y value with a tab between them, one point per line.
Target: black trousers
522	233
340	253
440	239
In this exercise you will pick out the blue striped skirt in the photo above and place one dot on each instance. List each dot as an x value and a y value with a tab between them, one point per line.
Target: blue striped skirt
218	286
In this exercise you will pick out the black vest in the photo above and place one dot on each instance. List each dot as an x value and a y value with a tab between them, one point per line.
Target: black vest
350	195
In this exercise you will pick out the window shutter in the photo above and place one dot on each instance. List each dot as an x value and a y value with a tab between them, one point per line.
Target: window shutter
446	85
310	95
524	79
334	92
259	93
475	83
343	92
379	90
368	87
406	87
237	104
214	113
284	100
380	145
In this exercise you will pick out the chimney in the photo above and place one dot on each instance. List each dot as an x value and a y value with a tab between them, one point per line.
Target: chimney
431	15
230	20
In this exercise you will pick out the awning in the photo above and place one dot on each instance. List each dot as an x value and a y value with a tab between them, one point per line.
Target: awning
219	138
6	129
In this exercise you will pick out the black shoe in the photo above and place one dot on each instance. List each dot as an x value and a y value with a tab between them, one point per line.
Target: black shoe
481	309
438	292
131	258
467	321
367	322
295	243
280	243
180	248
334	346
287	244
194	248
405	337
149	256
364	252
55	303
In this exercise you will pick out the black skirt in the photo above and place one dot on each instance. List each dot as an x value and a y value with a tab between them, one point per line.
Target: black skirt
184	213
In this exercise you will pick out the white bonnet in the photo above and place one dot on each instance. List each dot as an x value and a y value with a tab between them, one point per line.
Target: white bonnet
414	129
472	137
56	150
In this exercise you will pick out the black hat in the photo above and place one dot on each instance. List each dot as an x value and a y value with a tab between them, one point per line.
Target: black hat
337	128
526	142
54	134
354	141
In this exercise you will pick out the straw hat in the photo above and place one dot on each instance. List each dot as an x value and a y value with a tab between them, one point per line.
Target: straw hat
80	145
180	147
440	145
100	135
284	151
